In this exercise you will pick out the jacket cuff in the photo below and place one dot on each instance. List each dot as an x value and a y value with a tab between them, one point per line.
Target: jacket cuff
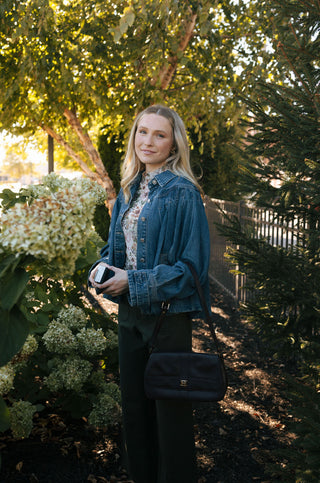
138	288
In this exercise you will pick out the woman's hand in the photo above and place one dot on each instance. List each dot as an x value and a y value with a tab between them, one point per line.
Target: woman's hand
116	285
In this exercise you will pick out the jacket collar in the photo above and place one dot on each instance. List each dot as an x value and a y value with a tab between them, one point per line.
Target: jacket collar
164	177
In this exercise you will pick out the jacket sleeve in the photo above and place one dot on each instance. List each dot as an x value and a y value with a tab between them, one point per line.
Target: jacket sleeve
190	242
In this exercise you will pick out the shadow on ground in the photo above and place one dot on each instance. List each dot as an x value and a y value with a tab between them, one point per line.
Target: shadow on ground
236	438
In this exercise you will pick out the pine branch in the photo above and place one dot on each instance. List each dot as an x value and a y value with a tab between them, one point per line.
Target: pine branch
281	46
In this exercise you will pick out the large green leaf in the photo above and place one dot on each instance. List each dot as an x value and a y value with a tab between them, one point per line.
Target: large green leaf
12	287
4	416
14	329
5	263
88	255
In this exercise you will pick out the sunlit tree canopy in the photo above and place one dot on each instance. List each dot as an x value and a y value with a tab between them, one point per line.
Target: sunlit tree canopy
70	67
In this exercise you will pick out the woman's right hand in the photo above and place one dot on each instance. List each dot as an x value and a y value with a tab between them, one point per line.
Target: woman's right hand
115	285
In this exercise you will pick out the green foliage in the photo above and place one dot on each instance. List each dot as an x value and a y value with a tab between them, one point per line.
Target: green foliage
10	198
215	161
68	370
14	330
101	221
285	301
284	127
105	412
111	151
105	60
31	301
281	171
13	325
4	416
304	455
21	413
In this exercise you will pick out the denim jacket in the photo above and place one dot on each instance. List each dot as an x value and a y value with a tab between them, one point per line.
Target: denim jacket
172	229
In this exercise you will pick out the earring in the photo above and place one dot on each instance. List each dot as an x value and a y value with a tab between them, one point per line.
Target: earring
172	150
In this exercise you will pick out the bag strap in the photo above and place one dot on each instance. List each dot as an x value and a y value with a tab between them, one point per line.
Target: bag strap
165	306
164	309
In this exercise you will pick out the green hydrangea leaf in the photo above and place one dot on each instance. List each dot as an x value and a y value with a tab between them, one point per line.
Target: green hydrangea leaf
4	416
12	287
14	329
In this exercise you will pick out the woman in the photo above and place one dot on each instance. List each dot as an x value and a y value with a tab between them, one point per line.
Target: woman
158	223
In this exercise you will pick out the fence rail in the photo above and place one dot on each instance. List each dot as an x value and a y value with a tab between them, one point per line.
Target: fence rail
278	231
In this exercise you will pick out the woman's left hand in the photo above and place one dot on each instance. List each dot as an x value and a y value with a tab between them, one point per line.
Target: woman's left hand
116	285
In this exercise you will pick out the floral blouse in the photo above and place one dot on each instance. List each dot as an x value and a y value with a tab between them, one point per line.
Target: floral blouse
130	219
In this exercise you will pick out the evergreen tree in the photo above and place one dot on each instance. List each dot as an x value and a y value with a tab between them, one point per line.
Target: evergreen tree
281	171
215	161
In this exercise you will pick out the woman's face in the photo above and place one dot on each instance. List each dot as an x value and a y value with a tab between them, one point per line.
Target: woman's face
153	141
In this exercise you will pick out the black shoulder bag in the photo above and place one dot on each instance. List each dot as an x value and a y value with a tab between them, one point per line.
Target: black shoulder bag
191	375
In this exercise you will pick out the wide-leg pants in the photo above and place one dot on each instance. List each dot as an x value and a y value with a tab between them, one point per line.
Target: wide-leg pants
159	436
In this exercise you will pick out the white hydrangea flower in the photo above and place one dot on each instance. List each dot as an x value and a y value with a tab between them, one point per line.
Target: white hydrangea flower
70	374
75	372
52	183
72	317
112	340
54	381
55	222
106	411
59	338
6	379
30	346
21	414
92	342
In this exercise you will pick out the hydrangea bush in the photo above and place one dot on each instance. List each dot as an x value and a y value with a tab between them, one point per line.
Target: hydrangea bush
21	414
75	348
76	360
47	243
53	223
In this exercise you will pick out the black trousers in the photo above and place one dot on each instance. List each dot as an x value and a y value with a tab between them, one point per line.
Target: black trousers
159	436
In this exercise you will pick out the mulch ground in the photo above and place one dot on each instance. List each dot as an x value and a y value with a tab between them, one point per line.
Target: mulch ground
236	439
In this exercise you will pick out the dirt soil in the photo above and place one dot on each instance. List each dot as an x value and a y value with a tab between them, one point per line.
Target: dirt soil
236	439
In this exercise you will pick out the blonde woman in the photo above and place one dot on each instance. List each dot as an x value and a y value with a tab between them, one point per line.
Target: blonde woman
158	223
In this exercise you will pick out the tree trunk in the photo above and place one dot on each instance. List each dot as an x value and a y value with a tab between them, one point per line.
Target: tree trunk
100	176
92	152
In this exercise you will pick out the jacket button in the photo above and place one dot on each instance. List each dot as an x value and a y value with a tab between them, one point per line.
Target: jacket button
142	260
154	181
142	240
143	219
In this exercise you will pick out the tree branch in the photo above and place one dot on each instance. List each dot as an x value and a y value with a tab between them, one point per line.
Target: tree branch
95	176
92	152
168	70
70	151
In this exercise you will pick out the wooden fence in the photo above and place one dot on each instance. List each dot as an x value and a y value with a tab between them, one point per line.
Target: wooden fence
278	231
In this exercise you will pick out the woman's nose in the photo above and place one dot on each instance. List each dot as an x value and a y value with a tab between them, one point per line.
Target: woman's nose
148	139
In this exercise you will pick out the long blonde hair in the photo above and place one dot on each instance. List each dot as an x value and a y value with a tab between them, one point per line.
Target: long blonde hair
178	162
